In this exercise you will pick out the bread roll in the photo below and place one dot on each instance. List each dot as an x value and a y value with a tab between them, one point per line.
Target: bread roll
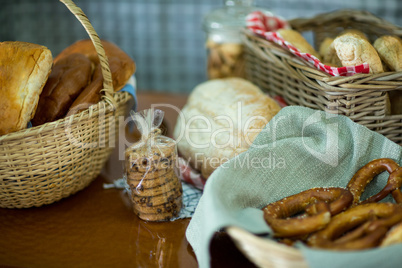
297	40
354	50
220	120
125	66
68	78
92	93
356	32
328	53
24	69
390	50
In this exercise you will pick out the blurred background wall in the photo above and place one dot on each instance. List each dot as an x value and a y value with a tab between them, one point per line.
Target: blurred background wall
164	37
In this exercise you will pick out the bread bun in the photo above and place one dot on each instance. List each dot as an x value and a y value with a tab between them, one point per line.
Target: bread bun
124	66
297	40
328	53
354	50
70	75
355	32
24	69
220	120
390	50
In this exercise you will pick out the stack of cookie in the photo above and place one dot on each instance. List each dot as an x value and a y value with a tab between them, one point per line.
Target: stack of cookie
150	172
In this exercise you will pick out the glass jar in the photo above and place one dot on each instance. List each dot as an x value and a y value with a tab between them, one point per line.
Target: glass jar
225	57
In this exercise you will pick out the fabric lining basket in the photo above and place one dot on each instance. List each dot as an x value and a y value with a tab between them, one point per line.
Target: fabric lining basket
44	164
361	97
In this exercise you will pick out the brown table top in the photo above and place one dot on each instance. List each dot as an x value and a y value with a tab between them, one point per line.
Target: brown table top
97	228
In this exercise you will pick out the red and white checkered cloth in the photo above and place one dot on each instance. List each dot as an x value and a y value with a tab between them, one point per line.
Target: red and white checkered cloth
266	25
189	175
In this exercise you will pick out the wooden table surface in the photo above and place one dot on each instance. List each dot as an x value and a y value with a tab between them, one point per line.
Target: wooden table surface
97	228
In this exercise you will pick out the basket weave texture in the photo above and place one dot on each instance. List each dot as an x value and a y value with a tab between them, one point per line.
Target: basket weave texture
44	164
361	97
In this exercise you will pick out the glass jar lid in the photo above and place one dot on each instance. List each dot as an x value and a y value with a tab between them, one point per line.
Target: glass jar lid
230	17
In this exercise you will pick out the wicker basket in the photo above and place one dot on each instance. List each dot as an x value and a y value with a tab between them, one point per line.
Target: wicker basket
361	97
264	252
44	164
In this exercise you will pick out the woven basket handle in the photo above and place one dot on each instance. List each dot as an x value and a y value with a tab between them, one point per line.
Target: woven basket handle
107	76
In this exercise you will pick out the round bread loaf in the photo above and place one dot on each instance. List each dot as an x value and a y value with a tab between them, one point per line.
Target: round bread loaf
221	120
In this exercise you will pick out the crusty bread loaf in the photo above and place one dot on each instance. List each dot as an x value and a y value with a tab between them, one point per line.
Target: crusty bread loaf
220	120
354	50
24	69
390	50
68	78
297	40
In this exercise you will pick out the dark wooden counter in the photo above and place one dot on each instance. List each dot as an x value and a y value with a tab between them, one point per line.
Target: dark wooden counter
97	228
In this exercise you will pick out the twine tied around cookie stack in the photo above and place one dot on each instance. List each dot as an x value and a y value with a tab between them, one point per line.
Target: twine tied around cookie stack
150	170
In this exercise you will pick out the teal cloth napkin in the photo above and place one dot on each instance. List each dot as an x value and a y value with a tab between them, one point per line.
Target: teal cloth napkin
299	149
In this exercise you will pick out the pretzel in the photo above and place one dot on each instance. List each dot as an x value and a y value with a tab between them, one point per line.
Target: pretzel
397	177
367	173
318	203
369	224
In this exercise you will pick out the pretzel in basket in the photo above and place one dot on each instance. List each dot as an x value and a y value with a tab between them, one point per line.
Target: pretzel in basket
318	203
371	222
367	173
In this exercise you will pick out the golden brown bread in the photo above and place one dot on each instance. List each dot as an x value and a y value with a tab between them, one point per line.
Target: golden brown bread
125	66
24	69
122	67
390	50
297	40
354	50
70	75
91	94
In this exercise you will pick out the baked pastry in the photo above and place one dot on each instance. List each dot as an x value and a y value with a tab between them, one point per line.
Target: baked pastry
68	78
220	120
297	40
390	50
24	69
354	50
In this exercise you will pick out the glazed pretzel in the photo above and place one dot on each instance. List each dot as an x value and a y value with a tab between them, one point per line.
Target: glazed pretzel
367	173
318	203
397	177
369	224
